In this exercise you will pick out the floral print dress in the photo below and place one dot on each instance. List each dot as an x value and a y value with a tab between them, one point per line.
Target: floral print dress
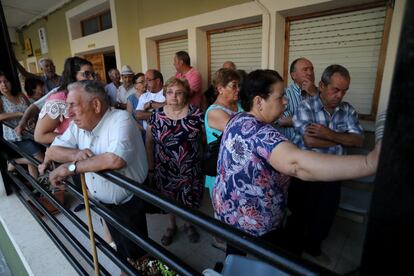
249	193
177	155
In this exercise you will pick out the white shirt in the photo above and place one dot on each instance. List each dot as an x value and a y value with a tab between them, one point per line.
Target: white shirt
116	133
112	92
123	94
149	96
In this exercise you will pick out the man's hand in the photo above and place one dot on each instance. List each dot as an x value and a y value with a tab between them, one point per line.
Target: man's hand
148	105
319	131
19	129
83	154
59	174
309	87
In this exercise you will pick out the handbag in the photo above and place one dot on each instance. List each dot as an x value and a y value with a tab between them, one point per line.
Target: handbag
210	157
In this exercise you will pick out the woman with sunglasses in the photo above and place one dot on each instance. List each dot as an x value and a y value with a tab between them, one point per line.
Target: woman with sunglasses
226	85
53	118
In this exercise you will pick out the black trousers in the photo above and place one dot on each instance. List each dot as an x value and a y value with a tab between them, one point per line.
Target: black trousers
313	206
273	238
132	215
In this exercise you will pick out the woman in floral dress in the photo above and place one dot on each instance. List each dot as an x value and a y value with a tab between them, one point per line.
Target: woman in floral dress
173	149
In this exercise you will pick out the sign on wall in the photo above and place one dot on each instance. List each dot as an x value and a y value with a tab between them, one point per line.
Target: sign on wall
43	40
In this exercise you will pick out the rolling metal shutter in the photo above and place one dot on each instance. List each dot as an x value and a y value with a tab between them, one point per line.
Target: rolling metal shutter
167	50
352	39
242	46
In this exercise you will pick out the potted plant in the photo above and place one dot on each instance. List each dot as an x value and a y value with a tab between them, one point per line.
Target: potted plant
150	266
57	193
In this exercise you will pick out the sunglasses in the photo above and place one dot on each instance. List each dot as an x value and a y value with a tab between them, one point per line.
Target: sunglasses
88	74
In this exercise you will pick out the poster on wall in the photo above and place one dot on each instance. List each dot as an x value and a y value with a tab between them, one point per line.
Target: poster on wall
28	47
43	40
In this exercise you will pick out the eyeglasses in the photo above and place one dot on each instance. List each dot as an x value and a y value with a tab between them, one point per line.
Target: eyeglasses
178	94
88	74
233	85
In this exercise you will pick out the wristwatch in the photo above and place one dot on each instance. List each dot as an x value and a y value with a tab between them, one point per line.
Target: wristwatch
72	167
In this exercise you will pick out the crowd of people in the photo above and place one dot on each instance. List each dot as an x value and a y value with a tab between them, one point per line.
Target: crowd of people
280	148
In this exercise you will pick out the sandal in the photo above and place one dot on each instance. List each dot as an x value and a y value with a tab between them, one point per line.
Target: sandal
192	233
167	238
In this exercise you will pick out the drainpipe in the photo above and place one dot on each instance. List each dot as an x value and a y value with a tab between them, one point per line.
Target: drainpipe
266	14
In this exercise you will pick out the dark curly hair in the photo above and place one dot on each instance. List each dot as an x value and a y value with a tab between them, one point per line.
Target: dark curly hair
70	69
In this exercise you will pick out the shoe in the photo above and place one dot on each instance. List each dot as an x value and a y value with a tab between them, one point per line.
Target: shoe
193	235
78	208
113	245
167	238
218	267
323	259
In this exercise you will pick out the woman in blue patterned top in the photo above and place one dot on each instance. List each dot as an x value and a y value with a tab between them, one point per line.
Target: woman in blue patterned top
255	162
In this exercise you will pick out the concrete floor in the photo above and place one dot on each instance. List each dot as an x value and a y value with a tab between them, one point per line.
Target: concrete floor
343	246
4	269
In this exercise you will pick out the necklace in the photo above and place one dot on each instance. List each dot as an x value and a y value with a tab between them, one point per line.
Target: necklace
176	115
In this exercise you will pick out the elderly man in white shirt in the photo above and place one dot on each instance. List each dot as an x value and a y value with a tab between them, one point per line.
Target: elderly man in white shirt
102	138
152	99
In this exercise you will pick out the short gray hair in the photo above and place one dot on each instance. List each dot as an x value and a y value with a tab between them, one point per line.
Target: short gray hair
92	88
42	60
332	69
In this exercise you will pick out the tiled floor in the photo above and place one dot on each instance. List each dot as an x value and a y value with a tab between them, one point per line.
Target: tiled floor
343	246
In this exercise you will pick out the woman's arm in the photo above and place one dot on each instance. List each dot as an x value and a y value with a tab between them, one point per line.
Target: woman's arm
218	119
11	115
44	131
312	166
129	107
149	146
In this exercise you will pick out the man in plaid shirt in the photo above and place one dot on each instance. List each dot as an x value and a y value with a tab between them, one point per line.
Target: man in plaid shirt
323	123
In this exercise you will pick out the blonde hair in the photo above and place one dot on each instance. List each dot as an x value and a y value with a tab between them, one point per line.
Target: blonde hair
181	82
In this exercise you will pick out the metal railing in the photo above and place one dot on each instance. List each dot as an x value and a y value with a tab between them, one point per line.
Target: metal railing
251	245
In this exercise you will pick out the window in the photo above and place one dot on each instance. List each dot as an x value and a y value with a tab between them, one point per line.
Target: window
354	39
241	44
96	23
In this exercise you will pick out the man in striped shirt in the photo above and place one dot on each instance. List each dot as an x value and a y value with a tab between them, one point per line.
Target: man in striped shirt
301	72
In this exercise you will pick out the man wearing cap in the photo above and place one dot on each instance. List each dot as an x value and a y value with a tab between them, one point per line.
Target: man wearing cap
127	87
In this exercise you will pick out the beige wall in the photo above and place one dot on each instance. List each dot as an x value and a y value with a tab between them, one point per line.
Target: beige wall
161	11
57	36
133	15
